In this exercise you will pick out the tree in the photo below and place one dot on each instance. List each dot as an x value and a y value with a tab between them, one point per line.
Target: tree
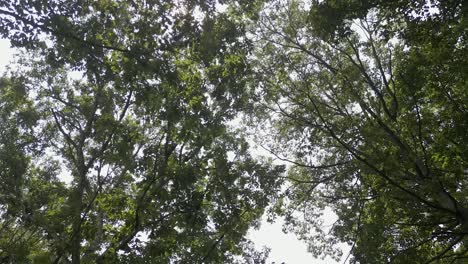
17	139
369	106
156	173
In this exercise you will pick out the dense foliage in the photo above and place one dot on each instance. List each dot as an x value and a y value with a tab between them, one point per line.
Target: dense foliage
129	101
121	139
368	100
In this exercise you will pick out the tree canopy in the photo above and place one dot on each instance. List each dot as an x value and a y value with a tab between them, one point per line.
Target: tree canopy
123	129
156	172
370	107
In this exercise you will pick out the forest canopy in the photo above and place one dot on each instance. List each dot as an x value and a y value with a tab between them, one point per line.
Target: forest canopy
127	129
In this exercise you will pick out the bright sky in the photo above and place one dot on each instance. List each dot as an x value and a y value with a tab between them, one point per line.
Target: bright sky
284	247
6	54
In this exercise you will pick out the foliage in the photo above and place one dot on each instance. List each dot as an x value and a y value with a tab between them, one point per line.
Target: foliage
120	142
156	174
369	106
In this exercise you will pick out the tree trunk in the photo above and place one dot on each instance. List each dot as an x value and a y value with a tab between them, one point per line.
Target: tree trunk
77	207
76	227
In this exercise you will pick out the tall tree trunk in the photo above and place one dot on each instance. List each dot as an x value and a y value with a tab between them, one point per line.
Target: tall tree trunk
77	208
76	226
76	242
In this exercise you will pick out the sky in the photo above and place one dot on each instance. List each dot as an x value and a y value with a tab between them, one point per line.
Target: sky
6	54
284	247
